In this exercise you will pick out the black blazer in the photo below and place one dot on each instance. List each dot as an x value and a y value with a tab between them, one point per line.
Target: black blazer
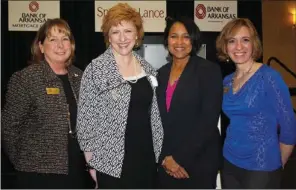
191	135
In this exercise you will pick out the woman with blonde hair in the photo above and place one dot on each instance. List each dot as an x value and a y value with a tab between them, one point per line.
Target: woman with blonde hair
119	127
39	116
257	102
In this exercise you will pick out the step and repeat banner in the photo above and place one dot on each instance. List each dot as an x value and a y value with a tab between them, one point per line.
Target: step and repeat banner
30	15
210	16
152	12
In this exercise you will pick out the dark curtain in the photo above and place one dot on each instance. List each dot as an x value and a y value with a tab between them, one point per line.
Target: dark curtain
15	51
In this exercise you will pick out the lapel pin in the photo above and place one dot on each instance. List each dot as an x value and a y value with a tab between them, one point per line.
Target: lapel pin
226	89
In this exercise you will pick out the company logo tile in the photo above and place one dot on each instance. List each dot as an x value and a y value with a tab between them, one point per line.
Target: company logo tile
34	6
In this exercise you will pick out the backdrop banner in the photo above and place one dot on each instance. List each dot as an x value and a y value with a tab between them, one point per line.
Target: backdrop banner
152	12
30	15
212	16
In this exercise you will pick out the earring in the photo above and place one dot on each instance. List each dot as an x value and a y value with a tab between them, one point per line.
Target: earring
137	43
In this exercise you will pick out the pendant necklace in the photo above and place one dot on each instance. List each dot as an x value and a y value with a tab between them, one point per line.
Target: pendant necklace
243	76
135	69
72	133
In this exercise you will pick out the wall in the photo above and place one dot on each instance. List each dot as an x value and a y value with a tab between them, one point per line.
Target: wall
279	38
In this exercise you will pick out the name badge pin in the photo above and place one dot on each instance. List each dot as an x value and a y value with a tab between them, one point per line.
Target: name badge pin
52	90
225	89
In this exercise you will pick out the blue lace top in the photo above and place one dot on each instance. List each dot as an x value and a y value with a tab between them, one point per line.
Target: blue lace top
256	111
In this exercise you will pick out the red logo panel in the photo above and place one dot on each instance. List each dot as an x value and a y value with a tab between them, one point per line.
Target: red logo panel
34	6
200	11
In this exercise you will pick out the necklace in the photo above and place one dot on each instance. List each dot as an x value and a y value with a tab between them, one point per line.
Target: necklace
135	69
240	84
72	133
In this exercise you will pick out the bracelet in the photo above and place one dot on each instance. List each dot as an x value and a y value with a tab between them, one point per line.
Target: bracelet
88	167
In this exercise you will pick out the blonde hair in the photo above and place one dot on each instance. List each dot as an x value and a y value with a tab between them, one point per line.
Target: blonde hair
122	12
229	30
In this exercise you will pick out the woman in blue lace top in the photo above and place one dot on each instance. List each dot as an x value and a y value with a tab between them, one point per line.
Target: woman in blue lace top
258	103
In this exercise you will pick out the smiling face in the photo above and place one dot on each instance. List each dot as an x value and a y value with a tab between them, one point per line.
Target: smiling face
240	47
123	37
179	44
56	47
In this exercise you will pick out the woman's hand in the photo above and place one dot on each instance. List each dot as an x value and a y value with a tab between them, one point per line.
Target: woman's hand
286	151
92	171
173	168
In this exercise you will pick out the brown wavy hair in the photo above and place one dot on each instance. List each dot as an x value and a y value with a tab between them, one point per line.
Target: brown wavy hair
44	31
229	30
122	12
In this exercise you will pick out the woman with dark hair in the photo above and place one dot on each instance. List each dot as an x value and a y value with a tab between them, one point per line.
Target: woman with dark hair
39	116
189	98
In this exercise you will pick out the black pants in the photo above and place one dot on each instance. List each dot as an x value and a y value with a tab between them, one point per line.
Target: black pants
33	180
234	177
125	182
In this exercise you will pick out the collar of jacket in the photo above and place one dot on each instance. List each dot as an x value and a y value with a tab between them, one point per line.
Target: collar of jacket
145	65
112	78
51	76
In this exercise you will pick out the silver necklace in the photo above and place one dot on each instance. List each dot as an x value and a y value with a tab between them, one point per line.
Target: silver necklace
240	83
135	69
72	133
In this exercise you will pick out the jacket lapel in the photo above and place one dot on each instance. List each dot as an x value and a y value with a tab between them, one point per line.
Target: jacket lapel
48	73
113	79
163	79
74	79
182	86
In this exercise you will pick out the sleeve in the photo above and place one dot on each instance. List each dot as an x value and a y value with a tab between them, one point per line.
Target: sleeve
280	99
207	120
16	108
87	111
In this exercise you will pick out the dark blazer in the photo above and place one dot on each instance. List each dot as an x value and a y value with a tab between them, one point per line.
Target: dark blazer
35	122
191	135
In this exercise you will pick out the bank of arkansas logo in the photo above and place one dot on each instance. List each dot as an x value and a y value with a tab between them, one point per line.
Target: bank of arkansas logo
200	11
34	6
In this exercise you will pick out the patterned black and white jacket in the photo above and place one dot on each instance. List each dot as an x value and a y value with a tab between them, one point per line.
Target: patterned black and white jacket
103	111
